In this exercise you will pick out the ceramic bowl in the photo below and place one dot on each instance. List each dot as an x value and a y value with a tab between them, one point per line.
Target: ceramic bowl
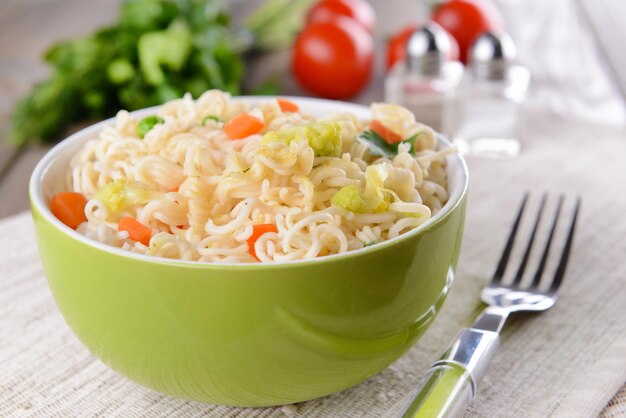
248	334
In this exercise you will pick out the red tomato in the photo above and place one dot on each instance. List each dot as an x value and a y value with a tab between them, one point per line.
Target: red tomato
359	10
333	59
467	19
396	46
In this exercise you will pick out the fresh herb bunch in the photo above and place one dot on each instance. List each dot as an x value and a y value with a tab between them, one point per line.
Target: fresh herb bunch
158	50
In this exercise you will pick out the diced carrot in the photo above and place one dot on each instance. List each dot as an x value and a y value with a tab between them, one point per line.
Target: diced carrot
257	231
287	105
385	133
69	208
243	125
136	230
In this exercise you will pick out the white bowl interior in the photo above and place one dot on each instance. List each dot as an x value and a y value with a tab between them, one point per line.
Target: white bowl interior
49	176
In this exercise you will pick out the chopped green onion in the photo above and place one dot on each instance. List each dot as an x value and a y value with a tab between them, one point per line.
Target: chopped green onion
246	170
211	117
146	124
369	244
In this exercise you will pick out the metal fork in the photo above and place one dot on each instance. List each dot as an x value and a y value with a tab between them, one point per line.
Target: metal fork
450	384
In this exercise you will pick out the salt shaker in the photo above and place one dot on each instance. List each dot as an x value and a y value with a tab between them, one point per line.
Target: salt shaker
426	80
487	118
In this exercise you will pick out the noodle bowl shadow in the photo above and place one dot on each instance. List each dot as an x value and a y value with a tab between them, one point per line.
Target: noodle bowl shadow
248	334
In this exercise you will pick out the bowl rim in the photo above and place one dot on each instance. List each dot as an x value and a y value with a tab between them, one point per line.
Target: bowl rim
38	204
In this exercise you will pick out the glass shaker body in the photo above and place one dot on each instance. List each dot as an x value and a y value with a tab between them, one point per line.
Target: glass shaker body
426	96
487	116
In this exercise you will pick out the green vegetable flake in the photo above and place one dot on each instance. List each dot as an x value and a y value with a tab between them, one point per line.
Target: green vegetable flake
323	137
211	117
369	244
372	199
146	124
349	198
121	194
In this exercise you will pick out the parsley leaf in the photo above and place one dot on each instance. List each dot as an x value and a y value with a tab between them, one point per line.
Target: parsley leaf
378	147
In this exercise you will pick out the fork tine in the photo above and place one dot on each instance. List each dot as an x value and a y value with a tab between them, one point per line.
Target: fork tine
546	251
560	270
522	266
506	253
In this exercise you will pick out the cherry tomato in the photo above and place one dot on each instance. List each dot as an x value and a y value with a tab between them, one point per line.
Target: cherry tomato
359	10
467	19
333	59
396	46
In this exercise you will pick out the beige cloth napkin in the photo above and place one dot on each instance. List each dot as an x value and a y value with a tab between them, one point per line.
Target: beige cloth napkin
568	362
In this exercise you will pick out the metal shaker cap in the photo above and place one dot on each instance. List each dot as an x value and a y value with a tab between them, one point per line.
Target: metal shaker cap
491	55
426	50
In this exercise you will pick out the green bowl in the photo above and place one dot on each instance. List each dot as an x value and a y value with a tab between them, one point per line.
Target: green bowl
248	334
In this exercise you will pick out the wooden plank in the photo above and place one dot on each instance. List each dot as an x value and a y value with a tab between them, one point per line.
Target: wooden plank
5	5
27	28
7	152
14	187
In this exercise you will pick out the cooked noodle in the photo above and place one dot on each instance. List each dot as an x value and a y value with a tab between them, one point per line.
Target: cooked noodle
206	191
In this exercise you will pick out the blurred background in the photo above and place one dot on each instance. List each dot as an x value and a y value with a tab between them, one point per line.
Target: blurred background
573	50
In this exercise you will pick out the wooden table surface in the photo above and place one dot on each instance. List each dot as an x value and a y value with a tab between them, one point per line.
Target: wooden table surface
27	27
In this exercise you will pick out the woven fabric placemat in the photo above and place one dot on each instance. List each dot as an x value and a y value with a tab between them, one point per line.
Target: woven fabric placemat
567	362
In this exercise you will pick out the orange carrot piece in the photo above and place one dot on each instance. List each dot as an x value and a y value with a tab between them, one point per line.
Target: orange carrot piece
385	133
69	208
243	125
257	231
287	105
136	230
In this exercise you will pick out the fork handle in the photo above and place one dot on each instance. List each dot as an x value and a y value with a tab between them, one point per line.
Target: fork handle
450	384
